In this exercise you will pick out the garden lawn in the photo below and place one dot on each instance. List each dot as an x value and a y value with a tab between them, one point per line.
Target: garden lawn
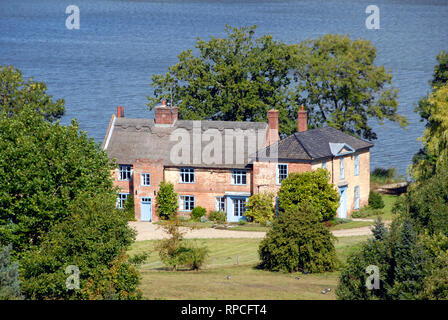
237	258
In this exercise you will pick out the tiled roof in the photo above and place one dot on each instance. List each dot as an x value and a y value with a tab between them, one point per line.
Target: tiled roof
313	144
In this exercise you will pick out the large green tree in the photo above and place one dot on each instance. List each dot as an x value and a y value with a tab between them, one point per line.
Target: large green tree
342	87
43	167
433	110
236	78
91	242
16	93
240	77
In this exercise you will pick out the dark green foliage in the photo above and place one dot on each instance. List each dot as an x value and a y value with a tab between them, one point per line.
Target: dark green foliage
260	208
235	78
375	200
312	187
17	94
217	216
129	208
94	238
401	260
197	213
43	168
9	275
166	201
298	242
427	203
379	230
240	77
388	173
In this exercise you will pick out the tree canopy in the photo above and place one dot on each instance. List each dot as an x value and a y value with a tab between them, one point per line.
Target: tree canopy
43	167
240	77
433	109
16	93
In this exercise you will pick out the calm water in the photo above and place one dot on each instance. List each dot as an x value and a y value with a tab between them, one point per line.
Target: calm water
120	44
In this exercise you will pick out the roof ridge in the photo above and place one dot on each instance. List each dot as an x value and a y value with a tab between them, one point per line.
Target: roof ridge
297	138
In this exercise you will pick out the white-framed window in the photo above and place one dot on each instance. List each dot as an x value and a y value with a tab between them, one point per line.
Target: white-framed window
124	172
356	164
186	175
238	177
324	165
145	179
356	198
186	203
239	207
282	172
122	197
341	168
220	204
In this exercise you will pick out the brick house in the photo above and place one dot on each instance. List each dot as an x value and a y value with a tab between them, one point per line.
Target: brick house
219	164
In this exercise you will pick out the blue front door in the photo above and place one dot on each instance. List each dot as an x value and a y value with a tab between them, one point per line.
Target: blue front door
342	211
236	206
146	209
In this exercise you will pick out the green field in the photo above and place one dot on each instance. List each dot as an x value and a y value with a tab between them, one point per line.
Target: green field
237	258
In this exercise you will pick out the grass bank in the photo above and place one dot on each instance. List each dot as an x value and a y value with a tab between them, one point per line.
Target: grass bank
237	258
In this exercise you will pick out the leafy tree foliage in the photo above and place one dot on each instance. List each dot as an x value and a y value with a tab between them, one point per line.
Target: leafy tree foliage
400	258
43	168
260	208
312	187
298	242
236	78
427	203
94	238
375	200
424	162
166	201
435	136
9	275
16	93
240	77
341	86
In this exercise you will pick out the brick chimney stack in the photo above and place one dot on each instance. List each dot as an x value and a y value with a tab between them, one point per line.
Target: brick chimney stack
272	134
164	114
120	112
302	120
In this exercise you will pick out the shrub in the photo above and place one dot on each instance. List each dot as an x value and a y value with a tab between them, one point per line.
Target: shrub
367	212
260	208
400	258
298	242
375	200
93	238
174	253
9	275
218	216
312	187
242	222
166	201
129	208
197	213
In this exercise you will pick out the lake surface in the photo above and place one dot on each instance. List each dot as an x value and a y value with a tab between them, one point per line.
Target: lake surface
120	44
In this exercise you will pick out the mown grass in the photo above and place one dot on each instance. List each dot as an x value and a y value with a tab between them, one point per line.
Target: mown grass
239	259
